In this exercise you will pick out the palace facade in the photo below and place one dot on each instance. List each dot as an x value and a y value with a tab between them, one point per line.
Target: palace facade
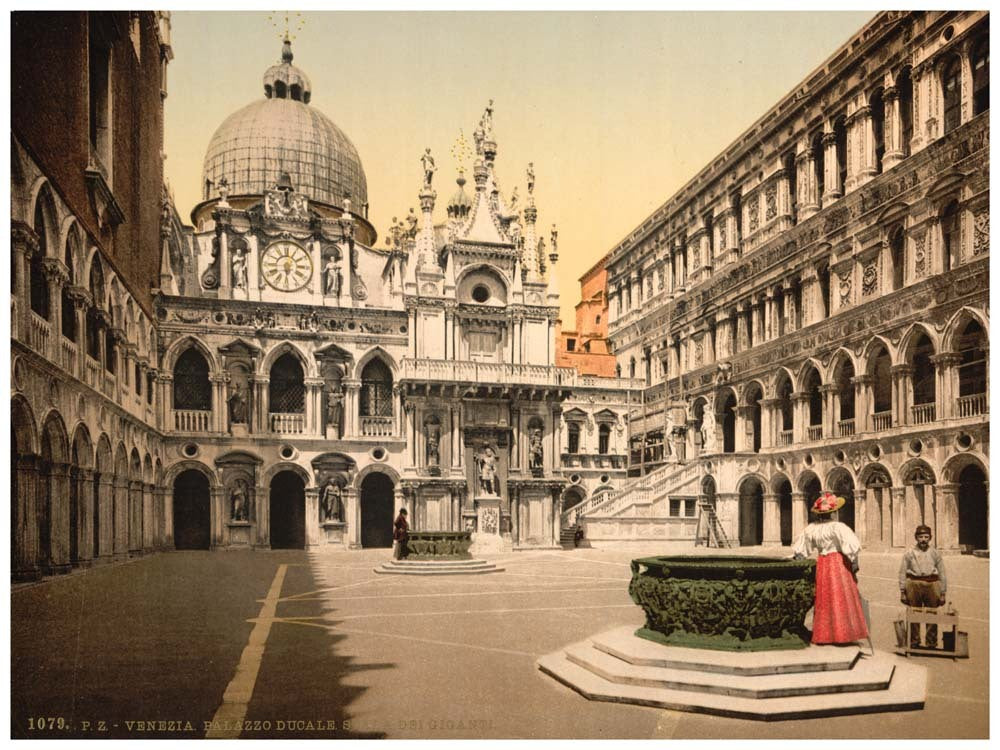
810	311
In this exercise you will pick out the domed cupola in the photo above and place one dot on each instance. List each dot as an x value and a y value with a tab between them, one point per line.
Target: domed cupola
460	202
283	133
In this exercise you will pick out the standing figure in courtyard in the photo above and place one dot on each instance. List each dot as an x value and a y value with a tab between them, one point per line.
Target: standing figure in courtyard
240	269
238	405
838	616
335	407
922	582
429	169
535	449
487	462
400	535
329	502
240	500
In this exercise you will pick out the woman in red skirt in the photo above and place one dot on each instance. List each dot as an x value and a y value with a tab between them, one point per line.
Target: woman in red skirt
837	616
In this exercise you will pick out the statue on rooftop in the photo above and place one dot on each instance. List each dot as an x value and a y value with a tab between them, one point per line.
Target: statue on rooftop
429	168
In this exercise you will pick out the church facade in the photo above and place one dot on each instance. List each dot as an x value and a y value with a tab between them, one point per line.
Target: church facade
811	310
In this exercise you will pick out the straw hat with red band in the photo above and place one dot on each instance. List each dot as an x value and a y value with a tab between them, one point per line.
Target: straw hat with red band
828	503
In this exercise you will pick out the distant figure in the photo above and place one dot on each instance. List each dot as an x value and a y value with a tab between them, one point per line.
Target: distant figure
531	177
411	225
838	616
922	581
400	535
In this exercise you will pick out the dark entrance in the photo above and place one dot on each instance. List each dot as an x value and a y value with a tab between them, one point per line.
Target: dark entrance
973	517
843	487
751	513
785	511
376	511
192	523
288	511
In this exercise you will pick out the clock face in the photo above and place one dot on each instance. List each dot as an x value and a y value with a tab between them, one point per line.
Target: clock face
286	266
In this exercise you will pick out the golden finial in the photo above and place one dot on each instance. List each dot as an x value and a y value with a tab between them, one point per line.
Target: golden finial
460	151
286	23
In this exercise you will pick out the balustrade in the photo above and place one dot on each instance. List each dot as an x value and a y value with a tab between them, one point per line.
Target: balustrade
785	437
68	350
376	426
108	384
191	420
845	427
93	373
815	432
881	420
922	413
288	423
971	406
39	331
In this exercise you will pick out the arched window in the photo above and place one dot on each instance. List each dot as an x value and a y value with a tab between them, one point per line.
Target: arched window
287	390
791	174
573	438
845	391
110	353
191	387
923	372
753	425
823	277
981	77
951	85
68	310
784	396
631	367
819	164
93	319
840	138
604	439
896	250
881	371
877	106
815	398
949	236
972	368
904	84
729	424
376	390
39	284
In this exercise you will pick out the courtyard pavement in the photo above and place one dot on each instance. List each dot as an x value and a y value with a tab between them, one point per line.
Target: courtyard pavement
314	644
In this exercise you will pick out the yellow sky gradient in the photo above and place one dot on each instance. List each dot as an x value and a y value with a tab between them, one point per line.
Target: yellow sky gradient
616	110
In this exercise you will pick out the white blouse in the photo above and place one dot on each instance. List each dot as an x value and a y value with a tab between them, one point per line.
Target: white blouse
827	537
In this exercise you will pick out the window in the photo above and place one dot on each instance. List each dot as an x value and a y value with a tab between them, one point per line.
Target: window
882	387
823	275
845	391
689	507
904	85
573	435
972	368
923	372
631	367
483	345
603	439
110	355
99	88
877	106
840	138
138	379
68	309
815	399
570	345
896	245
675	507
790	174
951	86
597	320
150	380
949	236
287	391
192	389
819	163
376	390
39	284
981	77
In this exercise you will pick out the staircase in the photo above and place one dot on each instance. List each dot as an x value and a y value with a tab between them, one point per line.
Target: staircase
710	531
567	536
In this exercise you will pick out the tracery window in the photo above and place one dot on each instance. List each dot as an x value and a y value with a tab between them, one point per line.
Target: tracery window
981	77
376	390
287	391
951	85
192	389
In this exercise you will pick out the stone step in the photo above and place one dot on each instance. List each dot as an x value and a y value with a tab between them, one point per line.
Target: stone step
868	674
433	568
626	646
906	692
470	563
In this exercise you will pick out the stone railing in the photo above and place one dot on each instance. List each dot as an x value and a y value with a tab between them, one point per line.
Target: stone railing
68	354
377	426
922	413
971	406
642	491
288	423
437	545
39	331
503	373
881	420
785	437
815	432
107	384
192	420
93	372
845	427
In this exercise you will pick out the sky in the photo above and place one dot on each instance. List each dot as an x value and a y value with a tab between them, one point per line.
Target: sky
617	111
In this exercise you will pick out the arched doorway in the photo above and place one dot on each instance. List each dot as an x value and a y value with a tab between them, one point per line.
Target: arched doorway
288	511
785	511
729	424
973	509
751	513
842	485
192	521
376	511
571	497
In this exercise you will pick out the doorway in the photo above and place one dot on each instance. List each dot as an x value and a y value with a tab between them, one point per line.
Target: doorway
288	511
192	517
376	511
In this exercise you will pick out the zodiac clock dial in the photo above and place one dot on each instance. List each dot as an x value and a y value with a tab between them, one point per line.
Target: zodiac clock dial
286	266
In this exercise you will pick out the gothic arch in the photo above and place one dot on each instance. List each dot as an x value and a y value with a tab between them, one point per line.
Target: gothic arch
829	374
121	461
908	341
147	469
810	363
135	466
181	345
962	317
82	447
780	374
867	359
748	389
42	194
287	347
23	426
175	470
955	464
376	352
102	457
54	429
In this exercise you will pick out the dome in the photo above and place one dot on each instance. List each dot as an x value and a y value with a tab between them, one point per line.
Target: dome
460	202
283	133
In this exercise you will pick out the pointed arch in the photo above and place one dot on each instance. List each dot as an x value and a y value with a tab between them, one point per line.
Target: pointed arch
912	335
287	347
82	450
181	345
24	428
781	374
103	460
42	200
55	437
842	354
376	352
957	323
871	349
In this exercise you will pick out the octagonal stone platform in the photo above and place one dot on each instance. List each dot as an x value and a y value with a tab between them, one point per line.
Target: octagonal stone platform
620	667
438	567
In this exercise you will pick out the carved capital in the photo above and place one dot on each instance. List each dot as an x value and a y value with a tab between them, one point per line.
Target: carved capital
23	238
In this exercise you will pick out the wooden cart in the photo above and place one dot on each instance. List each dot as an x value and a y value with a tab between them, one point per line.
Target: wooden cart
950	640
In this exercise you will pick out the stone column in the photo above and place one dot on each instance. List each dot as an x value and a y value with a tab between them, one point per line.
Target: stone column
768	419
800	421
313	410
742	335
218	516
800	514
832	189
946	497
167	503
861	515
830	412
105	511
808	189
946	372
135	518
901	379
352	408
25	522
515	515
862	132
862	403
119	517
58	487
85	516
148	518
312	517
772	519
897	511
556	512
893	128
919	108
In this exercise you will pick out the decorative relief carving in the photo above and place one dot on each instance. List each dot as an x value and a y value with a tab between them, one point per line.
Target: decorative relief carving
981	234
770	202
753	212
920	255
869	279
845	288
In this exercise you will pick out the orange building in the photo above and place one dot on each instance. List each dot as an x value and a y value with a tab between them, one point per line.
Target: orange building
586	347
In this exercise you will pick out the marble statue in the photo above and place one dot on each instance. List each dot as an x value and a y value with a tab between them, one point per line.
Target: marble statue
429	169
240	269
329	502
240	500
332	279
433	445
411	225
513	200
531	177
238	405
335	407
535	450
487	462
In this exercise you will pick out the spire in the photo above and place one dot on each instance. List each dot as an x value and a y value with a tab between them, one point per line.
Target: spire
286	81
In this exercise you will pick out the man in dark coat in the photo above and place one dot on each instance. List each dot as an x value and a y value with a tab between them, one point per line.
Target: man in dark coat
399	535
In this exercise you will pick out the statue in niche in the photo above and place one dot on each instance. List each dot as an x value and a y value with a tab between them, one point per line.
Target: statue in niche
240	269
329	502
487	463
433	444
429	169
708	431
536	453
238	403
335	407
332	278
240	500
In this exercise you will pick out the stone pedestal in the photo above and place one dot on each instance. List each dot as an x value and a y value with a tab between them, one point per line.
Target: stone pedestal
333	532
240	533
332	432
486	540
239	430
